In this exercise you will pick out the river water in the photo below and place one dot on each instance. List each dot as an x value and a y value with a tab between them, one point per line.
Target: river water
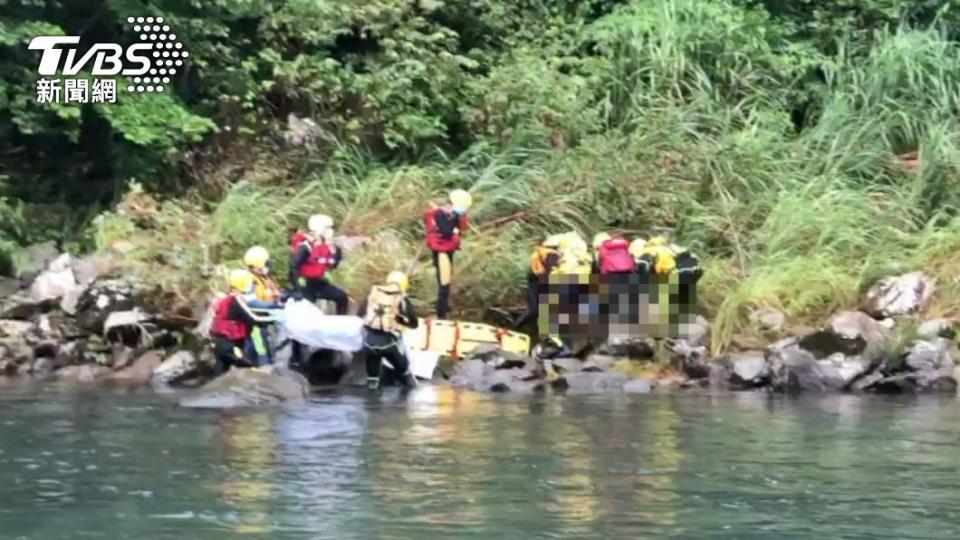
439	463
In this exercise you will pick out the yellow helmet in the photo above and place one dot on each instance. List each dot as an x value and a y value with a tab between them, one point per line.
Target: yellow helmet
399	279
553	241
637	246
573	242
256	257
657	241
461	199
319	223
600	238
240	280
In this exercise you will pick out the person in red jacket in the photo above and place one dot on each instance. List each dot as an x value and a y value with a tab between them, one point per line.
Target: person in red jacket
444	227
233	322
314	255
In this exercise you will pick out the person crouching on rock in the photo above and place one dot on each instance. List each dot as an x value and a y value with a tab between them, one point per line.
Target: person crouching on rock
313	256
264	296
385	311
233	322
445	225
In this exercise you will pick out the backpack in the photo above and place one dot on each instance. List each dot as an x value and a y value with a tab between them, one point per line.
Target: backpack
298	238
614	256
537	259
383	306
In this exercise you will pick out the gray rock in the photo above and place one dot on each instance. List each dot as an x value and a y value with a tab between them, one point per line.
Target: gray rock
849	333
845	370
599	362
141	371
637	386
70	352
86	373
473	369
930	355
694	362
586	382
769	319
121	356
513	380
569	365
175	368
633	348
936	328
898	295
105	297
695	331
250	388
750	368
14	328
795	369
54	282
493	355
20	306
15	350
42	366
30	261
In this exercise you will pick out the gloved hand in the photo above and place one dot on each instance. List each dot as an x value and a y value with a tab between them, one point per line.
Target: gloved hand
302	282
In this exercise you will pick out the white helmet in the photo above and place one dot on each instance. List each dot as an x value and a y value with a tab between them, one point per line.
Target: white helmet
319	223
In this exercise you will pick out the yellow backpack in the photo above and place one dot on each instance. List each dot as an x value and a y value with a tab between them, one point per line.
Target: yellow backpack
383	306
537	258
666	262
575	262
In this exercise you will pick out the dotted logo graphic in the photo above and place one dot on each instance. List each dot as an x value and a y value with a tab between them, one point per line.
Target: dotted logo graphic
167	55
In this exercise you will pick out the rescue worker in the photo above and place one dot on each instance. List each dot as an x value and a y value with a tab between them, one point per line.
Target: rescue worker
689	272
233	322
444	228
263	296
542	260
313	256
385	311
570	278
643	261
657	251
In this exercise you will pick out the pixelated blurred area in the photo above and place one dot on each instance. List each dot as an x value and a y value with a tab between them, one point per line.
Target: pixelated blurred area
596	308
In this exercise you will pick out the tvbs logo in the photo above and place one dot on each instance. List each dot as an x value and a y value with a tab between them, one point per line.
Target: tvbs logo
149	64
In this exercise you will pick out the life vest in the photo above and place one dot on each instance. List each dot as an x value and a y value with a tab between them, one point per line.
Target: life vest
296	239
538	259
224	327
435	239
663	257
321	258
574	262
614	256
265	289
383	306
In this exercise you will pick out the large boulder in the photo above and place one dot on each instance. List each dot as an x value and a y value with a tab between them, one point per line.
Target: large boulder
105	297
930	367
694	362
937	328
849	333
176	368
30	261
270	385
141	371
898	295
20	306
795	369
694	331
768	319
56	281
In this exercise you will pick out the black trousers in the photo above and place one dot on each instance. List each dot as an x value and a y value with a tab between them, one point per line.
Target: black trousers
322	289
379	346
533	301
225	352
443	264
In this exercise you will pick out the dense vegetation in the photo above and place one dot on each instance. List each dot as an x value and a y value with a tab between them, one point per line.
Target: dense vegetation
772	136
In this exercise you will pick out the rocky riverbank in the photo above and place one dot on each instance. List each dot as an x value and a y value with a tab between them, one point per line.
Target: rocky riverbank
81	320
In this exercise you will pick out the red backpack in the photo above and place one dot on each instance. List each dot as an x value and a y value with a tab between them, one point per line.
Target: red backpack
435	240
614	256
298	238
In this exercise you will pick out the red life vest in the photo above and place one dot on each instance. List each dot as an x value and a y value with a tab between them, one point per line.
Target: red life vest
320	260
435	240
614	256
224	327
298	238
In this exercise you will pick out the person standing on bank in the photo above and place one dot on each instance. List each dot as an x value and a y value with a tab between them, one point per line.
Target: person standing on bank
314	254
444	227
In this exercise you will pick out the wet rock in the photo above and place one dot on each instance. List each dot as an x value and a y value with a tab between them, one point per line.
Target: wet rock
121	356
750	368
795	369
633	348
8	367
54	282
694	362
569	365
747	343
141	371
30	261
695	331
20	306
930	367
473	369
769	319
637	386
42	366
599	362
67	353
513	380
175	368
585	382
15	350
849	333
845	370
496	356
105	297
86	373
932	329
898	295
270	385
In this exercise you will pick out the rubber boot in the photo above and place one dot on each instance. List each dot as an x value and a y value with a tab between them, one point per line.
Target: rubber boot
373	383
410	381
